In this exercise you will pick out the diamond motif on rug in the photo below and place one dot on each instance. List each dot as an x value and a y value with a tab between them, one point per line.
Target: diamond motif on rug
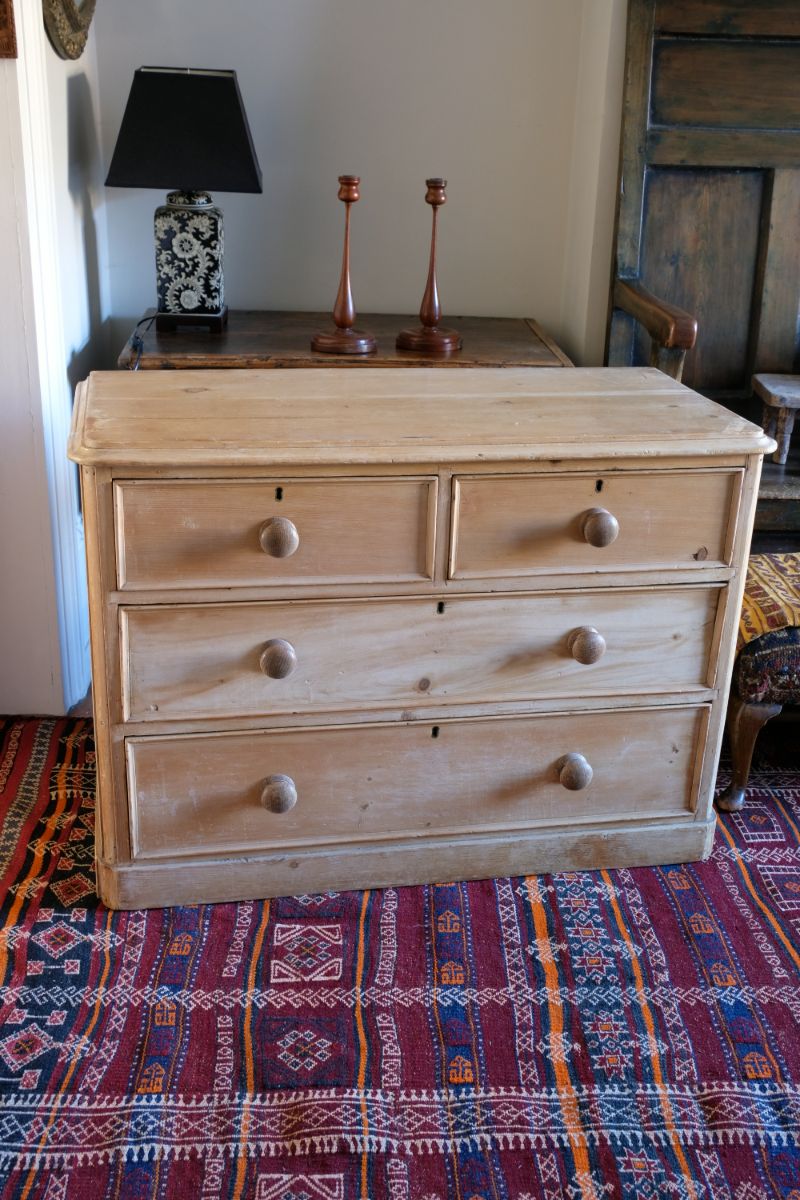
302	1050
307	952
56	939
24	1046
72	889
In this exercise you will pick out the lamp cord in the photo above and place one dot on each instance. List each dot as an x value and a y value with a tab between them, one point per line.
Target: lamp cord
137	341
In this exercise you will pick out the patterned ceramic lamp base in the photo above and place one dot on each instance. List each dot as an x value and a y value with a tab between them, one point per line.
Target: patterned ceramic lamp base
189	243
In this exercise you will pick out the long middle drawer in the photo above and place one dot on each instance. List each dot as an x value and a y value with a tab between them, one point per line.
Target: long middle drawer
188	662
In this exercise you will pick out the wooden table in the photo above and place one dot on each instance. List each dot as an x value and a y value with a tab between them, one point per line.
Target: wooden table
282	339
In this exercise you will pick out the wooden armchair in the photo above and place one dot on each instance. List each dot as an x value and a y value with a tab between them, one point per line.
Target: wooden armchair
766	674
672	331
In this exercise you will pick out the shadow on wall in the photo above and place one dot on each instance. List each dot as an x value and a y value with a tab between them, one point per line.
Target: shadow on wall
85	178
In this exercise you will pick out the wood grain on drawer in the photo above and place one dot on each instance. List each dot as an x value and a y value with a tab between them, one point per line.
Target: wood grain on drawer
215	660
186	533
203	794
525	524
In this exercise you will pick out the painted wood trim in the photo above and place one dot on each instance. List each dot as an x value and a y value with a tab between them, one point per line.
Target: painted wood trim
56	400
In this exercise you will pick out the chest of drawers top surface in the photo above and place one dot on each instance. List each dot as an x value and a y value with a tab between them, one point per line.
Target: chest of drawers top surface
307	418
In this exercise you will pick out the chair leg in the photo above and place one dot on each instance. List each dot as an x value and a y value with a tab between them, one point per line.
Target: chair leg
744	724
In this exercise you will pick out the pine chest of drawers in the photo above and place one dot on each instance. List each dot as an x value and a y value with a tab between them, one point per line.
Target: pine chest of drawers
359	628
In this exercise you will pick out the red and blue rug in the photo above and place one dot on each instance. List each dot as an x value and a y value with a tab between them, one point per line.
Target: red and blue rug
630	1034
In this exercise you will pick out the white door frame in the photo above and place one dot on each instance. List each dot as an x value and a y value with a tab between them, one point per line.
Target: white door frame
45	353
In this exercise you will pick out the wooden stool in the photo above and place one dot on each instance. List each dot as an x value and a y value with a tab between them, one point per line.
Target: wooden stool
766	674
781	396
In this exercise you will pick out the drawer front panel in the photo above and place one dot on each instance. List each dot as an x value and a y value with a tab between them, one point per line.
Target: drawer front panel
185	662
180	534
203	794
524	525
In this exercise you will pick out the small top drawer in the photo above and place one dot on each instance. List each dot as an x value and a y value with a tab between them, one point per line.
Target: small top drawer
223	533
519	525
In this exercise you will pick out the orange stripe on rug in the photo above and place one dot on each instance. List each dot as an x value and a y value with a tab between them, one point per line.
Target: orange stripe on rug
250	1075
555	1011
362	1047
666	1107
751	889
41	846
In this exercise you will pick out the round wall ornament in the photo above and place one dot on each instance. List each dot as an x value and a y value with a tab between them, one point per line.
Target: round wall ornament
67	23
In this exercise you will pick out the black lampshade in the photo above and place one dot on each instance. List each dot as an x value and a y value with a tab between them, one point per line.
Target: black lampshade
185	128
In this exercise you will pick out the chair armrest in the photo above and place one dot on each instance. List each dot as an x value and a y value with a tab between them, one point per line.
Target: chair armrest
667	325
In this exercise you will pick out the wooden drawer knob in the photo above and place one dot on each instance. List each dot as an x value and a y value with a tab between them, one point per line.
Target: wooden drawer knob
279	794
586	645
278	658
574	772
279	537
599	527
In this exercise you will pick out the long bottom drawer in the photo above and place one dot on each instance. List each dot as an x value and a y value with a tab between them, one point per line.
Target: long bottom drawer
349	785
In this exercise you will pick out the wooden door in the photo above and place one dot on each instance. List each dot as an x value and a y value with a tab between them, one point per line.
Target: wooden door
709	205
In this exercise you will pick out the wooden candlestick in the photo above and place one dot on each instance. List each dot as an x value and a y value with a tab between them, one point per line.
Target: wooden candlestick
345	339
429	338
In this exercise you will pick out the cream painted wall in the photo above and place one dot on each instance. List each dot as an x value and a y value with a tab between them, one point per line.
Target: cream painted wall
516	103
593	181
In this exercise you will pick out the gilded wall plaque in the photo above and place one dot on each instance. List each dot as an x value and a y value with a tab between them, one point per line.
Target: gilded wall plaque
8	39
67	23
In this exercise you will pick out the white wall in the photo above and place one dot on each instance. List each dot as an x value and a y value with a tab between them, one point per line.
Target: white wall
30	676
78	186
516	103
52	333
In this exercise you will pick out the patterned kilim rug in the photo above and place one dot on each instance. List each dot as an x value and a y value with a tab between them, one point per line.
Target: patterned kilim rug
626	1034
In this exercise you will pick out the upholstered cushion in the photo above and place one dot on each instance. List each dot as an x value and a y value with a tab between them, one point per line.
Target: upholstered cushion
771	595
767	668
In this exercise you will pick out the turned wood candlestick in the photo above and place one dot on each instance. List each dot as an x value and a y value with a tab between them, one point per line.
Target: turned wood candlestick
345	339
429	338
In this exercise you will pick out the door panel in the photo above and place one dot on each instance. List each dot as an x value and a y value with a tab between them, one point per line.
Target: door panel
693	220
709	203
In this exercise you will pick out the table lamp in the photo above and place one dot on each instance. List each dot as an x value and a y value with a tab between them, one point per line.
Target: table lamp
186	129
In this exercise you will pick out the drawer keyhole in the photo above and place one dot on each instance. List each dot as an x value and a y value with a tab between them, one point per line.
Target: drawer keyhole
435	731
279	493
440	606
